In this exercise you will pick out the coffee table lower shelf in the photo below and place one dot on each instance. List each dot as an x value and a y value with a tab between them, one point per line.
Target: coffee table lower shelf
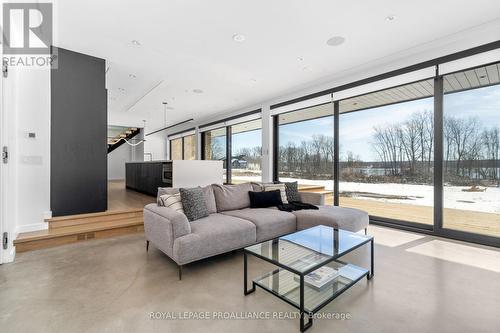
286	285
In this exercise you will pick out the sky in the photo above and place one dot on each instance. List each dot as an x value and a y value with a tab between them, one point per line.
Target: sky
356	128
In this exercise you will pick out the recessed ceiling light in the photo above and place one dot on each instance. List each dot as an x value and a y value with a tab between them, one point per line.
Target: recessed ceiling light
197	91
300	59
136	42
335	41
253	80
121	90
238	38
132	76
390	18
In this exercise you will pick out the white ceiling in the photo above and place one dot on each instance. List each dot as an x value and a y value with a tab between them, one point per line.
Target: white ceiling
187	44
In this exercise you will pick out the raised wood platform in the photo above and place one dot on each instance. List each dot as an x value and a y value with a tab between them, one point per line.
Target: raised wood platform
124	216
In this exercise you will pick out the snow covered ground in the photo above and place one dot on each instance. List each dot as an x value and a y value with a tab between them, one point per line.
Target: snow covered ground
421	195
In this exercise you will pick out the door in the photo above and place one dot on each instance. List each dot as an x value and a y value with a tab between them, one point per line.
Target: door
3	143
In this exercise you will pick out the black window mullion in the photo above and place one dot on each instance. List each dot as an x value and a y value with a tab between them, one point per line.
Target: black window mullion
336	152
202	146
182	140
275	148
170	149
438	153
228	154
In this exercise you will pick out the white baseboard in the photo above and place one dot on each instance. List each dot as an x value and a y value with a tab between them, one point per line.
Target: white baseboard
8	255
32	227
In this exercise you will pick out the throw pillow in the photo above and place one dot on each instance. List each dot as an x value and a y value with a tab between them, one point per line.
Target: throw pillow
281	187
193	202
292	191
265	199
172	201
165	190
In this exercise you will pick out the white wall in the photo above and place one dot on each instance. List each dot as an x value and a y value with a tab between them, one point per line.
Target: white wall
123	154
156	144
116	162
26	102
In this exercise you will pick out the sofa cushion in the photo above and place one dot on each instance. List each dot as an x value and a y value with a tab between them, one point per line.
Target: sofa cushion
212	235
193	203
270	223
231	197
208	192
349	219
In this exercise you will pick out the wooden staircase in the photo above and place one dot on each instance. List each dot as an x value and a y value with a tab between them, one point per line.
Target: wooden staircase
76	228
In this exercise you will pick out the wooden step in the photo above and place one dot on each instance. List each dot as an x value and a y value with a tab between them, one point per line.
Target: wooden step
79	232
311	188
71	220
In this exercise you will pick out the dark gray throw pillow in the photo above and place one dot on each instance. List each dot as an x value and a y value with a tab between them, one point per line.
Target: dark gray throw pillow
194	203
292	191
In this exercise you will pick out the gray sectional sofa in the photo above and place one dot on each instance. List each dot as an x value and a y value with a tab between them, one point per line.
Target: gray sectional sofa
233	225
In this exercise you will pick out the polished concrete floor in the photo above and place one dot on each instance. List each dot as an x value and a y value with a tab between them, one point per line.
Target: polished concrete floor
421	284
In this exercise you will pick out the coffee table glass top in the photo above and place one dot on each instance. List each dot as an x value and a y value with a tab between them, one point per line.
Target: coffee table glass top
303	250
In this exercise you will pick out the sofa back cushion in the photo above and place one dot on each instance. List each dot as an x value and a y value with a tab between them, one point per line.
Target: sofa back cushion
232	197
257	186
208	193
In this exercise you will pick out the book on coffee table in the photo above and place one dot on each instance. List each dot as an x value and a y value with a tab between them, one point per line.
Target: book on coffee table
320	278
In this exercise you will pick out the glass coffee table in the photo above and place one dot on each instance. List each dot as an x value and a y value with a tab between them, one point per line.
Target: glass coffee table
304	252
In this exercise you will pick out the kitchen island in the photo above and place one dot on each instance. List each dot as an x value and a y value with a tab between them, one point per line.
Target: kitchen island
147	176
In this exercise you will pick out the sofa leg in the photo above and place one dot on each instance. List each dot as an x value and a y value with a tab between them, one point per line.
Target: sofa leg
147	246
180	272
366	231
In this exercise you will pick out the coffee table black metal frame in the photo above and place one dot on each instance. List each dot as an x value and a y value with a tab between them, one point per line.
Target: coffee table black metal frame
304	326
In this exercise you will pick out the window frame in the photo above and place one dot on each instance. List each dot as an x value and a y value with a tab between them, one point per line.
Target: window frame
228	134
175	136
436	228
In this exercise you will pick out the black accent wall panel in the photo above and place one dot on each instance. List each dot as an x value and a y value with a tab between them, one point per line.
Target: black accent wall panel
78	175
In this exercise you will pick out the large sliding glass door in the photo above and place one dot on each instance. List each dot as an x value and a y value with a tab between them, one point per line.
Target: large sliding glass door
239	145
471	151
215	144
176	149
306	148
182	146
246	152
189	148
386	153
417	149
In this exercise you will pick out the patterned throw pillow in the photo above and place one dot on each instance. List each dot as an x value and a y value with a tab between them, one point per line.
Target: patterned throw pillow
292	191
281	187
172	201
193	202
